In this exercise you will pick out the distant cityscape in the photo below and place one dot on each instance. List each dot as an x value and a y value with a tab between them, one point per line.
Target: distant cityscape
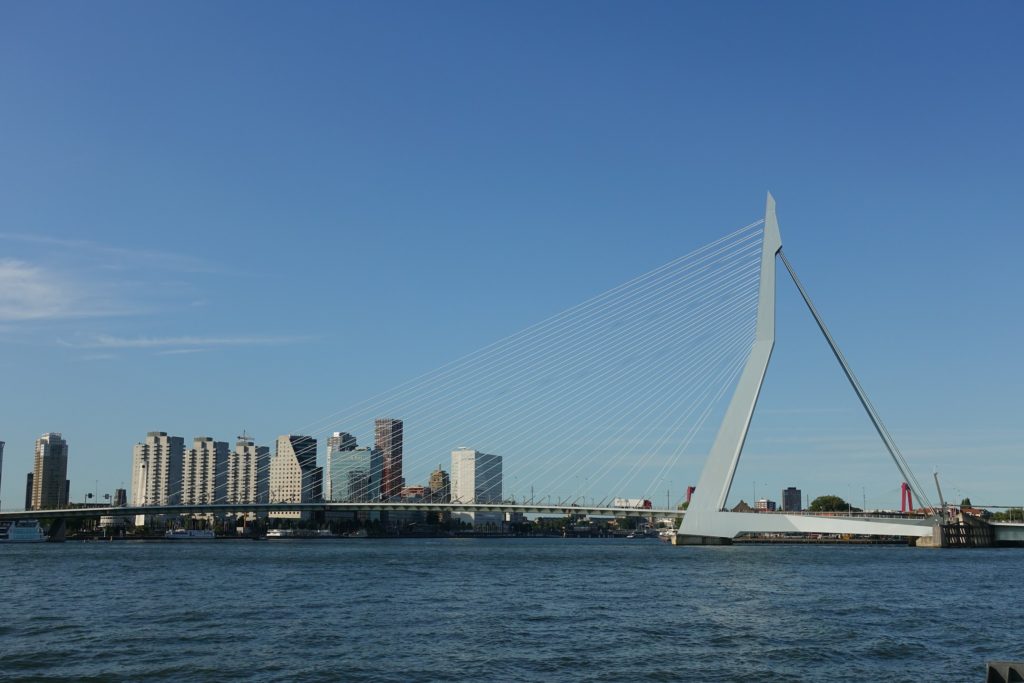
165	472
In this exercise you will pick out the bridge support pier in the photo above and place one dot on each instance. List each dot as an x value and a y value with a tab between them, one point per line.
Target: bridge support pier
964	532
58	530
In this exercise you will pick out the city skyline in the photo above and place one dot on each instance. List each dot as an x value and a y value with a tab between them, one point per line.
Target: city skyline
125	253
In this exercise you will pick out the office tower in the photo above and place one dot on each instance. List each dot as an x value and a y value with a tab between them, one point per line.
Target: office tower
204	472
120	498
316	485
28	491
157	470
248	472
791	499
440	486
293	473
388	433
66	496
49	476
336	443
355	475
1	465
475	477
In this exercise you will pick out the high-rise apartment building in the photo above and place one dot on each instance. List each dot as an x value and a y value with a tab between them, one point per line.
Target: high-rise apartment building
355	475
294	474
49	476
440	486
248	478
204	472
336	443
792	498
157	470
388	437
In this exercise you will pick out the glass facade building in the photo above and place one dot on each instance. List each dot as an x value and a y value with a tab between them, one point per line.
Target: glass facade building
356	475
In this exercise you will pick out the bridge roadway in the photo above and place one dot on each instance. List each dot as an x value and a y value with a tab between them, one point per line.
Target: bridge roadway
239	508
859	523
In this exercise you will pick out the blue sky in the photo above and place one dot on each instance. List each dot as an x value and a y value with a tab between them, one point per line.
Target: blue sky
249	216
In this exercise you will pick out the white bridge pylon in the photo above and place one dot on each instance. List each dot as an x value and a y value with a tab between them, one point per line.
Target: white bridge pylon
706	517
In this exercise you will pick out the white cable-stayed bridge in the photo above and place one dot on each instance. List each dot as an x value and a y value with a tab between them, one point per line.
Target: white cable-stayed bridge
621	395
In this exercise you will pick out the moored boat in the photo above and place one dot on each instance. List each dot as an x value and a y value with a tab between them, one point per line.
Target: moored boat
189	534
22	531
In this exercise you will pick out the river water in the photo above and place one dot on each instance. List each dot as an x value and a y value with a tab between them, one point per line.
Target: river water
504	610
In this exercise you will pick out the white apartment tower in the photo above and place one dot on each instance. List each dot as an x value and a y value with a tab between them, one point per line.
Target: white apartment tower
293	474
204	477
156	470
248	472
50	474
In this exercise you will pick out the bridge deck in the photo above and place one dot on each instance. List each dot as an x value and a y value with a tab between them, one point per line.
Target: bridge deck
239	508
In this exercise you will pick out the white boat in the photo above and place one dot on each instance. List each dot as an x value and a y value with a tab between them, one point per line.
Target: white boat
22	531
189	534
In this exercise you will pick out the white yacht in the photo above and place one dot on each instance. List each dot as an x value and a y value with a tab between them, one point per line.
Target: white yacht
22	531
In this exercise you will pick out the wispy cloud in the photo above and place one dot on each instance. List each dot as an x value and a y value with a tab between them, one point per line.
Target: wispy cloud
57	279
32	292
178	344
99	356
115	257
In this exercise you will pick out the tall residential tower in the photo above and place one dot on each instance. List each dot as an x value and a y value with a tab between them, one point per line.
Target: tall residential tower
157	470
205	472
50	474
248	472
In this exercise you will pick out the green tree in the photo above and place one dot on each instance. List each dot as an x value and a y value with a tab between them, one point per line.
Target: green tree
830	504
965	503
1010	515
